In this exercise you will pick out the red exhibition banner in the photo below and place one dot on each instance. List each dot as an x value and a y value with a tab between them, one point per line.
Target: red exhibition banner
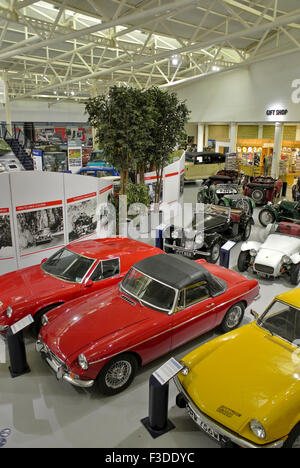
37	206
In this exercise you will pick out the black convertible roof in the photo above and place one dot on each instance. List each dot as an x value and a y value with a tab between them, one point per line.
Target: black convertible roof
178	272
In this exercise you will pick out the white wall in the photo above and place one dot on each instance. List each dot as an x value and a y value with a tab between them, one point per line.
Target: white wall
246	94
31	110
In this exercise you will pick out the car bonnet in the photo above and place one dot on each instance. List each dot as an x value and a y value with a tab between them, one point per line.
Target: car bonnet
77	326
245	377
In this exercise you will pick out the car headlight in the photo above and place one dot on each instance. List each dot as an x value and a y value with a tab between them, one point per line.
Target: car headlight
185	369
286	259
199	239
176	234
257	429
253	252
8	312
83	362
44	320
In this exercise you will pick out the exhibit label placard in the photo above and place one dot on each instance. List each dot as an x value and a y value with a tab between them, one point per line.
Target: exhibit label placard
166	372
21	324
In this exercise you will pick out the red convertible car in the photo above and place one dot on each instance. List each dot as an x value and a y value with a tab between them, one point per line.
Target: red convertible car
163	302
74	271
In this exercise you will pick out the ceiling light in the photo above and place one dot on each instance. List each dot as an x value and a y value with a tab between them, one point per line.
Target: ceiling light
215	68
176	60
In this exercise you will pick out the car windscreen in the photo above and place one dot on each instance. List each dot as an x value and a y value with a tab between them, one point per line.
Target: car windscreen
282	320
149	291
68	266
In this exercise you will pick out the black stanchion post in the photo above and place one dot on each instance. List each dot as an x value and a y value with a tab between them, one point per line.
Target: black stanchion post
157	423
224	258
17	354
284	189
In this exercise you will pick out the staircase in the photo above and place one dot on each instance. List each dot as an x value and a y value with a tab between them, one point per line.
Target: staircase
20	153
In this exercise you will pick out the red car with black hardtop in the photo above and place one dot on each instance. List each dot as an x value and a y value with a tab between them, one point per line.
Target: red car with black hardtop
76	270
163	302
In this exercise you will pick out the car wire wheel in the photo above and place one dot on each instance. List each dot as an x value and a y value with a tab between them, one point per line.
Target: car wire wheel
266	217
244	205
233	318
258	195
118	374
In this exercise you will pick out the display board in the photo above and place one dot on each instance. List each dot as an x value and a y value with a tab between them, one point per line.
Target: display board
74	156
41	212
37	156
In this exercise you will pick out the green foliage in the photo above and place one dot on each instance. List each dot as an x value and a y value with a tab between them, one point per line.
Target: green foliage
137	193
137	128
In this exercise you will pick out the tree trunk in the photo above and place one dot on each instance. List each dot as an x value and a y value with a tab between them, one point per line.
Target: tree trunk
142	175
124	181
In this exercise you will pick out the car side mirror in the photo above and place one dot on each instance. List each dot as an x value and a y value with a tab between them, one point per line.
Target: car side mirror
44	260
89	284
254	314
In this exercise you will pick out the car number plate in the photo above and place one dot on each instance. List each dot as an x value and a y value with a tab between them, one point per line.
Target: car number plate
205	427
186	254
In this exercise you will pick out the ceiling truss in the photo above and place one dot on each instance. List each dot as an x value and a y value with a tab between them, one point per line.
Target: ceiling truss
67	49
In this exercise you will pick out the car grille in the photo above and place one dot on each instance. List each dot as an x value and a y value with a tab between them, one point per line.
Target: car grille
264	269
53	357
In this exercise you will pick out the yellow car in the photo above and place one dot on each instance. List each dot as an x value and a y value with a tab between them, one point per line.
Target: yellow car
244	387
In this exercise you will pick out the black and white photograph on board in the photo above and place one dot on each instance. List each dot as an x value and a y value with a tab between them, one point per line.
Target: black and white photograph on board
82	220
6	243
40	230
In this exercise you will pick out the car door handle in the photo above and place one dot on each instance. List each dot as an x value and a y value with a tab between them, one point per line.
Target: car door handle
210	305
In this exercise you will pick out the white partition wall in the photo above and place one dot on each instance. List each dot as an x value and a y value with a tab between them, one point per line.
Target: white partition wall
43	211
173	183
8	258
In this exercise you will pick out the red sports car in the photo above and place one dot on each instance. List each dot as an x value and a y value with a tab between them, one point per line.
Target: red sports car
76	270
163	302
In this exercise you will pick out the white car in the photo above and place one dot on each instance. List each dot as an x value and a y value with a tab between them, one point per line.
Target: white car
278	255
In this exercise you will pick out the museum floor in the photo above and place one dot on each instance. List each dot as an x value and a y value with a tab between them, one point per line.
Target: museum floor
42	412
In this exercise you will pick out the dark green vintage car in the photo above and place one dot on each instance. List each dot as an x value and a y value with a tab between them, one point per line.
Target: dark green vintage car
283	211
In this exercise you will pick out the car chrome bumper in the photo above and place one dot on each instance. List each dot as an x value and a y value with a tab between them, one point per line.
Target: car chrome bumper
179	249
226	433
59	368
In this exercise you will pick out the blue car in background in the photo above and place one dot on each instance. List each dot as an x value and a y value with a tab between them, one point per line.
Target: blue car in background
100	172
96	159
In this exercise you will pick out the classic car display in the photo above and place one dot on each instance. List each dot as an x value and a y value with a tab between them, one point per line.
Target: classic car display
225	195
202	165
263	189
163	302
252	402
74	271
278	255
209	229
282	211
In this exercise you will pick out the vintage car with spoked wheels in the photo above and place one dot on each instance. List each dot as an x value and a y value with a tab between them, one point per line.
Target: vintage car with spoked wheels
225	195
278	255
163	302
282	211
74	271
263	189
244	388
210	228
